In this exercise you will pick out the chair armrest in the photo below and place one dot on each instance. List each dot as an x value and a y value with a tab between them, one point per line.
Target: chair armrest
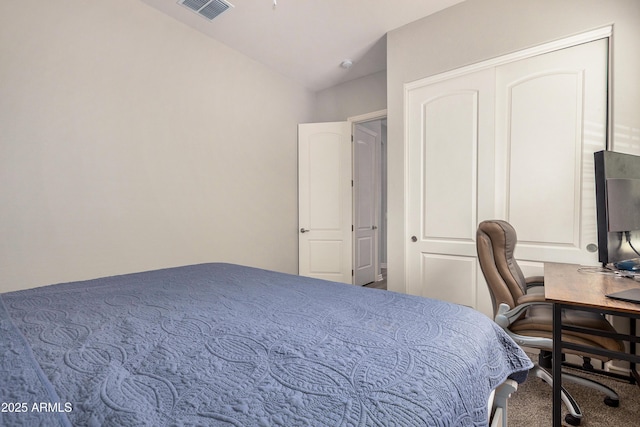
534	281
529	298
505	317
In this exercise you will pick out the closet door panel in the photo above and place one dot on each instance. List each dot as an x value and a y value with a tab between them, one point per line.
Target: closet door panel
550	119
544	143
450	183
449	162
453	278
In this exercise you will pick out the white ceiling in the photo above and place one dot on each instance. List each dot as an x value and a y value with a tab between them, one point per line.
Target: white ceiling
308	39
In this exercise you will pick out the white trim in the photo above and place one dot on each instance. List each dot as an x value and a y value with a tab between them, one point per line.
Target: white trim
571	41
380	114
405	187
610	367
610	88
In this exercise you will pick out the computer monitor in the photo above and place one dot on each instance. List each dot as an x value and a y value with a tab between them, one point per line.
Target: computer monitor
618	206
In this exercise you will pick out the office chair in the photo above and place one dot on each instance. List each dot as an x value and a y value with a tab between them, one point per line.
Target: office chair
519	307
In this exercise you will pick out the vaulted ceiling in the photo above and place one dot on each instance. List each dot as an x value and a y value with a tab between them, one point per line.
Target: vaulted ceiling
308	39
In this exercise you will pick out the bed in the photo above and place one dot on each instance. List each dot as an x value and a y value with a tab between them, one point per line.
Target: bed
228	345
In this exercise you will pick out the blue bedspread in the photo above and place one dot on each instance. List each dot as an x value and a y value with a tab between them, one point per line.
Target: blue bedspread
225	345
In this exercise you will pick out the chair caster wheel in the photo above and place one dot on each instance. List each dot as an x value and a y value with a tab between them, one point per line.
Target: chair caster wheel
614	403
571	420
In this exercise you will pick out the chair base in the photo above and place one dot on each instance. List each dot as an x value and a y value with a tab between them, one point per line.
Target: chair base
575	415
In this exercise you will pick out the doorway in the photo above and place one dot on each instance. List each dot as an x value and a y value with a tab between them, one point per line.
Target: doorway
327	183
369	200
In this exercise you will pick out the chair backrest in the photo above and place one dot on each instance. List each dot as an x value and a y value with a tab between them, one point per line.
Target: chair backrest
496	242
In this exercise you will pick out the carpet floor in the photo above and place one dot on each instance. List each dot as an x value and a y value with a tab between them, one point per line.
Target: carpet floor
531	405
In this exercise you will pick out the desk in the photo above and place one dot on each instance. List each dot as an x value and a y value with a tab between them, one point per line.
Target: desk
567	287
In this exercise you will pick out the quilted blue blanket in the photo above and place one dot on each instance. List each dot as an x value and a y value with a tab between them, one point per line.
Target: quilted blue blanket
226	345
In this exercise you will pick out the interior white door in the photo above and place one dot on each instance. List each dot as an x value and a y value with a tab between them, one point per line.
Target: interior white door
325	201
365	146
551	117
450	183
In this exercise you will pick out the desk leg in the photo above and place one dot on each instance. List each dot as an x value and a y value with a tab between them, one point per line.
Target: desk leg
557	365
635	378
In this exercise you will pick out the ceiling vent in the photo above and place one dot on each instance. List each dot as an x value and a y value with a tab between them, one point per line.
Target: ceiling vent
208	9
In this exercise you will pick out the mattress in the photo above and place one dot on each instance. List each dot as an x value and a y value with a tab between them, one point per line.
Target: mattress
227	345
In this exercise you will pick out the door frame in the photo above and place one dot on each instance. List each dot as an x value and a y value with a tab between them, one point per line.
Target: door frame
353	121
605	32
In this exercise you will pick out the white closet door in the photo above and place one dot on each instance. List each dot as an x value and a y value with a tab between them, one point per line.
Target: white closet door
513	141
450	183
550	118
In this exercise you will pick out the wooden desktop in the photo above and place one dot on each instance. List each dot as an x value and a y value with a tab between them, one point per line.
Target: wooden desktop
585	288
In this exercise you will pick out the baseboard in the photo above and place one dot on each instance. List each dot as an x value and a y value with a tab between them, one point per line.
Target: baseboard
611	367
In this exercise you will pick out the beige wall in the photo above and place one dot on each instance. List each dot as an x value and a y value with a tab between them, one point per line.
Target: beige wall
126	144
353	98
131	142
476	30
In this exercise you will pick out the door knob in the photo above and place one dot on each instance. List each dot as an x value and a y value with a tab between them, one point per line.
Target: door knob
304	230
414	239
374	227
